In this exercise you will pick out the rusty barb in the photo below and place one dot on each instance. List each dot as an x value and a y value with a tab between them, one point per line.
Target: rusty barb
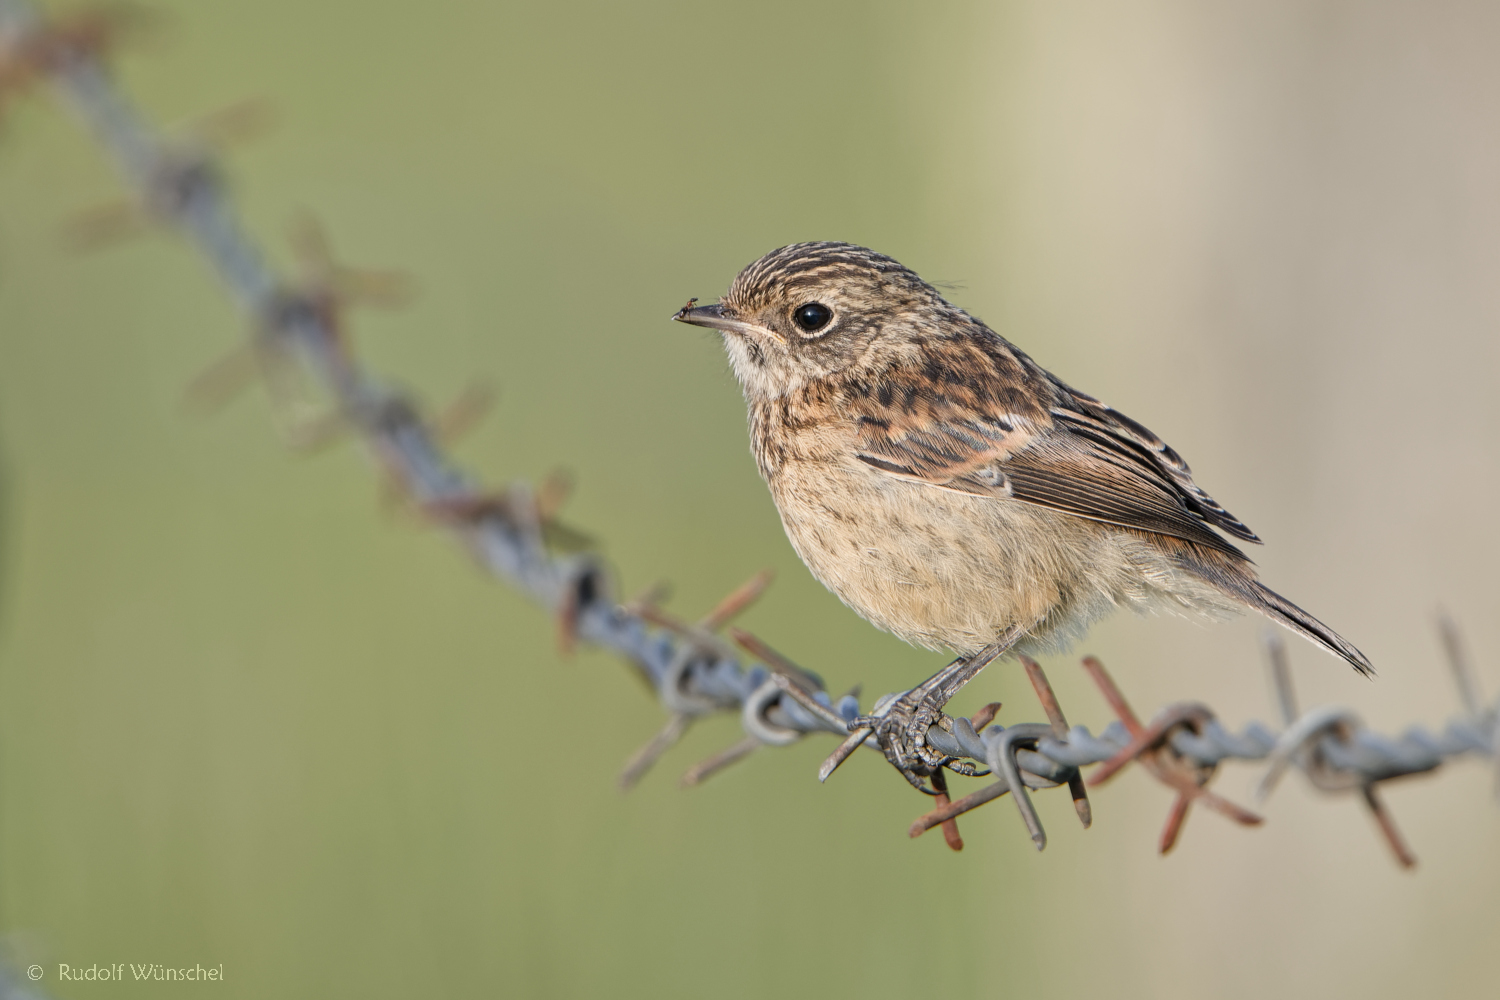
32	49
298	325
1332	747
1184	744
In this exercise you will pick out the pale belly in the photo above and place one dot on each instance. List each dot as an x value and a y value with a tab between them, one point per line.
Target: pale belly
944	569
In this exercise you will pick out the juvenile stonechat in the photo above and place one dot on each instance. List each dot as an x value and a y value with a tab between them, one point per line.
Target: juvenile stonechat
952	491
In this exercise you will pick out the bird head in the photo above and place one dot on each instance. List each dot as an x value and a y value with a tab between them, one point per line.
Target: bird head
814	310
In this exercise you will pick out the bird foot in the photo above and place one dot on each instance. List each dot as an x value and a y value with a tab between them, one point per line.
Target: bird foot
900	728
901	733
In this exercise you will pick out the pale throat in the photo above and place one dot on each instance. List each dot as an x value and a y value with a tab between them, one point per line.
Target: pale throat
767	376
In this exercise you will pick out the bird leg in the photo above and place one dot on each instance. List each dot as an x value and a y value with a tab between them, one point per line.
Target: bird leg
901	729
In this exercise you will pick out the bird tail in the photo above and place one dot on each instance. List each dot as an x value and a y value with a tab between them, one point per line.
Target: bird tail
1284	612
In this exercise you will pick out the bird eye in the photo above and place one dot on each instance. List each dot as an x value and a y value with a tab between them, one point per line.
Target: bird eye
812	317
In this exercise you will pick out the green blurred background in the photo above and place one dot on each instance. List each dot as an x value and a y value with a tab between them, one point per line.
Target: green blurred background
249	717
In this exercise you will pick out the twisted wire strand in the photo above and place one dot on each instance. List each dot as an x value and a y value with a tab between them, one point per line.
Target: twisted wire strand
693	670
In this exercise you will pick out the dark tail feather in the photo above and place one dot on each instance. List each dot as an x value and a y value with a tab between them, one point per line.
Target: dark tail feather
1284	612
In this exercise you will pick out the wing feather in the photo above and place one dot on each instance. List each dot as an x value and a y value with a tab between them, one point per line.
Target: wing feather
987	420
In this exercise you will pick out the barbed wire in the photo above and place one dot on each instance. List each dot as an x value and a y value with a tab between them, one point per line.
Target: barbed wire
516	535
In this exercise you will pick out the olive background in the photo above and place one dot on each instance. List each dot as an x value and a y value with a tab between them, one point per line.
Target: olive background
252	716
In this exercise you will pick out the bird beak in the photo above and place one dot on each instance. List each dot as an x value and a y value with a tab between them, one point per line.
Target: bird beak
714	317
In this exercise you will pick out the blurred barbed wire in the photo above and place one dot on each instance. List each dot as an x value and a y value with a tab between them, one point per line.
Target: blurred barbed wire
298	325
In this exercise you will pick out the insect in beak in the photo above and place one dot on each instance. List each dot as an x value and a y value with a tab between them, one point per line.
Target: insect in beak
715	318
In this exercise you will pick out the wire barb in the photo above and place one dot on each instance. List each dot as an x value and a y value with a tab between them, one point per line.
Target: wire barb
1059	723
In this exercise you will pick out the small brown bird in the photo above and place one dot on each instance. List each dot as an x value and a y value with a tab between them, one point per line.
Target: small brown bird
952	491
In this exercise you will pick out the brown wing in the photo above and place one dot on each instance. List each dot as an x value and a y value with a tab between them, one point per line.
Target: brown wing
1116	433
962	408
986	420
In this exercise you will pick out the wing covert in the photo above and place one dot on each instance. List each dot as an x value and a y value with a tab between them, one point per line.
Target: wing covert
1015	432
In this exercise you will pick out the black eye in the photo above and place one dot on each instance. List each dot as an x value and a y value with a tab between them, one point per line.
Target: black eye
812	317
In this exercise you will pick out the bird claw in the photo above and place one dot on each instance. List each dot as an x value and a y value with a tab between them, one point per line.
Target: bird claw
901	733
900	730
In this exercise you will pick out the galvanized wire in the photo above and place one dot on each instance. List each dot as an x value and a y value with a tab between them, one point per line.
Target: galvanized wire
693	670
